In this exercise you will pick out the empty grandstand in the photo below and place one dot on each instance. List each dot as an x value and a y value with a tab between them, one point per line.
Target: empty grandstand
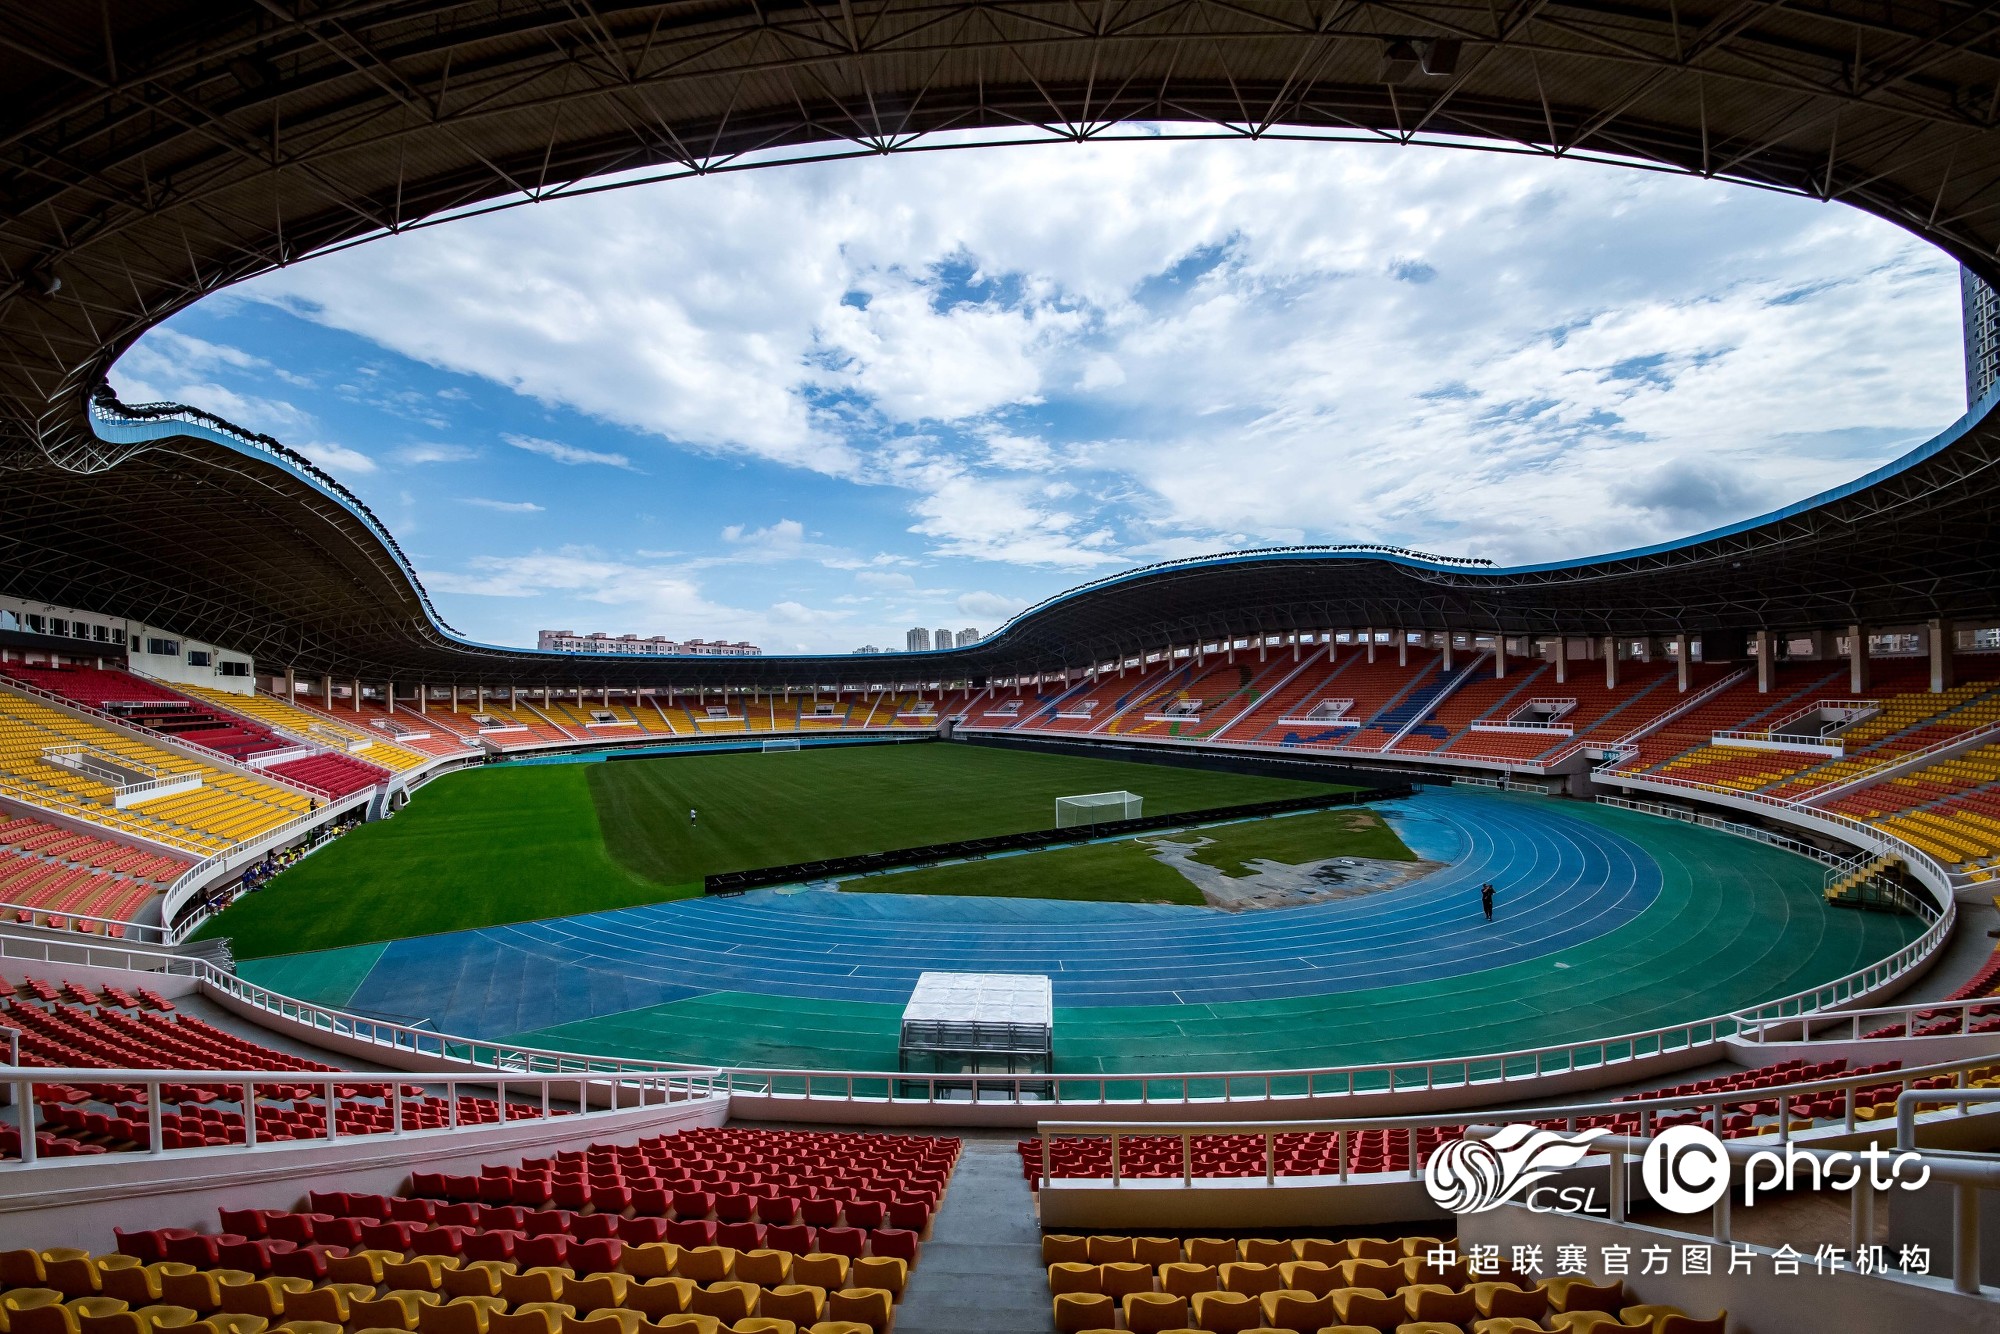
1452	898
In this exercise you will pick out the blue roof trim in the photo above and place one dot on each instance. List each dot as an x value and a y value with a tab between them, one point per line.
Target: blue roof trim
126	430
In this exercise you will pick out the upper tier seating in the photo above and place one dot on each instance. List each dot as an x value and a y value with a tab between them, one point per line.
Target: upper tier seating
228	808
375	722
55	874
381	752
1908	722
1351	1285
1740	706
1371	685
1603	714
1486	699
1416	704
143	702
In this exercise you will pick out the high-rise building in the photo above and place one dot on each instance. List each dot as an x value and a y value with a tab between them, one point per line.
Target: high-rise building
940	638
1980	308
967	636
917	640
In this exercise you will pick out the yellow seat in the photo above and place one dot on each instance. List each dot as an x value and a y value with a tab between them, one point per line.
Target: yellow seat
687	1323
796	1302
838	1327
200	1290
1268	1251
892	1273
1301	1312
1442	1305
419	1274
1311	1276
1156	1251
1154	1312
1074	1276
1118	1277
227	1322
139	1285
529	1318
1372	1274
1187	1278
1251	1277
309	1327
1507	1324
863	1306
727	1301
144	1320
22	1269
540	1286
1375	1248
360	1266
480	1278
1501	1300
818	1269
265	1297
398	1310
765	1268
1210	1251
758	1324
1575	1294
1651	1313
72	1276
655	1259
1366	1306
1427	1327
706	1264
599	1292
460	1315
1075	1312
1103	1250
1227	1312
612	1320
1061	1246
657	1297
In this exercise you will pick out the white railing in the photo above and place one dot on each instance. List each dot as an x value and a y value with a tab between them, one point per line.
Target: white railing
570	1096
1550	729
129	780
1846	711
1714	1107
82	923
204	872
1707	821
1758	739
1855	1025
79	810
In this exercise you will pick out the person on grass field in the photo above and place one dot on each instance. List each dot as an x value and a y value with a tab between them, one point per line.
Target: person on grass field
691	825
1486	899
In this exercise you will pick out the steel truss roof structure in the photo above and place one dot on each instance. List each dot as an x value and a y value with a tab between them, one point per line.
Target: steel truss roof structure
154	151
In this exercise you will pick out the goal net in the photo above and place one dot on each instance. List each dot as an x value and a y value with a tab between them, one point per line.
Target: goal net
786	743
1097	808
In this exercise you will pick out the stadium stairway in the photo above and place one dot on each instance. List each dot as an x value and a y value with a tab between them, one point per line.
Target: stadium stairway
1404	714
982	1265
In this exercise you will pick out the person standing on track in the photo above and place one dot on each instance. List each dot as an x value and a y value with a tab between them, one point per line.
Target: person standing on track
1486	899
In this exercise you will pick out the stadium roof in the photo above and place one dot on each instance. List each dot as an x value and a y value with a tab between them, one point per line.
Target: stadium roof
154	151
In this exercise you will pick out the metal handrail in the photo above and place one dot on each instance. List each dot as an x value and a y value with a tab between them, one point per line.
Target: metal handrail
1813	1028
625	1092
1648	1109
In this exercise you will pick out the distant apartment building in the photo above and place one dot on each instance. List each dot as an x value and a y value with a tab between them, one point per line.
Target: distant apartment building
1980	310
870	648
917	640
940	638
967	636
569	641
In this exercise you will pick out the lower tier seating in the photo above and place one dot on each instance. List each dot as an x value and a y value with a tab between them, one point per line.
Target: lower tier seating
1354	1285
415	1263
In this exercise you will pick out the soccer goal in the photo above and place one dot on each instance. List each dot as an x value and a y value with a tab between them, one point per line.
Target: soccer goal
1097	808
782	743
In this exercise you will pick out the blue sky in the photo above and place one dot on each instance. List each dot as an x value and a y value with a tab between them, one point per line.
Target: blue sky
815	405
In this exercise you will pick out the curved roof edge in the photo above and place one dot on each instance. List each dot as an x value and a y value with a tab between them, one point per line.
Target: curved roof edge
117	423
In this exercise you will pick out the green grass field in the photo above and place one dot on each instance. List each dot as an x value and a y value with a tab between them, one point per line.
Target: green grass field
508	844
1125	870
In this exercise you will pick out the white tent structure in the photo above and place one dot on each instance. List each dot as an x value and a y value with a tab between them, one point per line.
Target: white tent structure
980	1024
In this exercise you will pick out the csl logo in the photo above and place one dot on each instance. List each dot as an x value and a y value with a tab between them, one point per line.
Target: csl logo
1470	1176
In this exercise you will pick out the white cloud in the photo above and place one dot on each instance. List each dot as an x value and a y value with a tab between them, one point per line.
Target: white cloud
569	454
435	454
884	579
1182	347
993	606
503	506
336	459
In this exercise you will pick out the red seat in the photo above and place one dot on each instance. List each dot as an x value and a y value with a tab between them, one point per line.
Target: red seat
691	1232
548	1223
778	1209
497	1244
596	1257
895	1242
439	1239
795	1237
543	1250
848	1241
693	1204
642	1231
822	1211
864	1213
593	1227
740	1236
